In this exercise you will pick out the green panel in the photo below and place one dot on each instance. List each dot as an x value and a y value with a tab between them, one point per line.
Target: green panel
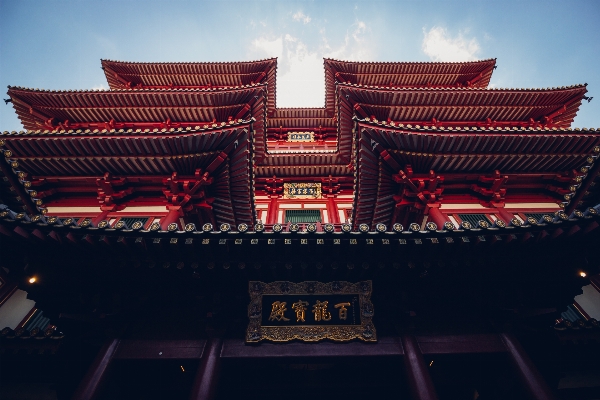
302	216
537	216
474	218
131	220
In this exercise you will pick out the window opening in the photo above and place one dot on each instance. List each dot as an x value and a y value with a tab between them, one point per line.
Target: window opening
536	216
302	216
473	219
129	221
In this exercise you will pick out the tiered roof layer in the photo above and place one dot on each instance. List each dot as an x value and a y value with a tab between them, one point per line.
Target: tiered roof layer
550	162
139	75
468	106
405	74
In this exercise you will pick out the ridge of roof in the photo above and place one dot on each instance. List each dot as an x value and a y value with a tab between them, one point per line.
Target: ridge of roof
268	65
300	108
208	127
559	217
462	88
410	62
108	91
466	128
189	62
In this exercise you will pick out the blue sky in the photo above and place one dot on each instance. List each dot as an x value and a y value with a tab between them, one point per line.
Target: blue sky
58	44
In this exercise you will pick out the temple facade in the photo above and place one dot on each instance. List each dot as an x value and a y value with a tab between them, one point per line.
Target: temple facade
144	229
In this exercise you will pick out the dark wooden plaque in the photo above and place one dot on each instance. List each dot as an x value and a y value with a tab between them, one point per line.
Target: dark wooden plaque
310	311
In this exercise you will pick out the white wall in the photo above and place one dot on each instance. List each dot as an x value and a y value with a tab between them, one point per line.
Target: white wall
590	301
15	309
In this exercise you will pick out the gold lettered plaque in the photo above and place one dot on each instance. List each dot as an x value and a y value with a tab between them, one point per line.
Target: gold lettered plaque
303	190
301	137
310	311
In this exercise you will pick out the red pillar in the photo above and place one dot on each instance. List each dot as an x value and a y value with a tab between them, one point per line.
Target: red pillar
435	215
530	376
272	211
91	383
505	215
172	216
419	380
103	215
332	210
205	384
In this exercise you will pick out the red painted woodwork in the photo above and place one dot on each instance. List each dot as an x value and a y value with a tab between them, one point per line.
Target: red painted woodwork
405	74
116	109
91	384
460	344
130	349
504	214
385	346
419	380
332	211
173	216
532	379
403	138
435	215
193	75
237	349
205	384
555	106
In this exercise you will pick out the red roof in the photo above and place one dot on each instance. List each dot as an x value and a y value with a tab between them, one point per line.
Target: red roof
223	152
433	103
137	75
405	74
537	161
35	107
423	105
301	118
314	162
476	150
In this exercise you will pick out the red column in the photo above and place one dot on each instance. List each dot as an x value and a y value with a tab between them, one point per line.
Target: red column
435	215
102	216
91	383
172	216
530	376
332	210
205	384
272	211
506	216
419	380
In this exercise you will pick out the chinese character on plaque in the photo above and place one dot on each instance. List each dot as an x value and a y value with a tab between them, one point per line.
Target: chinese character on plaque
310	311
302	190
301	137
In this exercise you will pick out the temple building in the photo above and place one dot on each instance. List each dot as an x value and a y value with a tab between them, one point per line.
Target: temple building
421	236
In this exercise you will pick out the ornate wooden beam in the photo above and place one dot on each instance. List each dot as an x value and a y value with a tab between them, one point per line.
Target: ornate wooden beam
91	384
534	383
419	380
205	384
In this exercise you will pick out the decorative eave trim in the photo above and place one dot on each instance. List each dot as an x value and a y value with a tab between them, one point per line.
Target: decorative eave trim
470	129
461	89
558	222
209	127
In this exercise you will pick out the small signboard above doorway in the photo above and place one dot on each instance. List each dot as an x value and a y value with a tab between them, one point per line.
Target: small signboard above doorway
310	311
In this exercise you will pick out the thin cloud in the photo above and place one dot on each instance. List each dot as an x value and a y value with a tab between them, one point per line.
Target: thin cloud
356	46
440	46
300	16
265	47
300	75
